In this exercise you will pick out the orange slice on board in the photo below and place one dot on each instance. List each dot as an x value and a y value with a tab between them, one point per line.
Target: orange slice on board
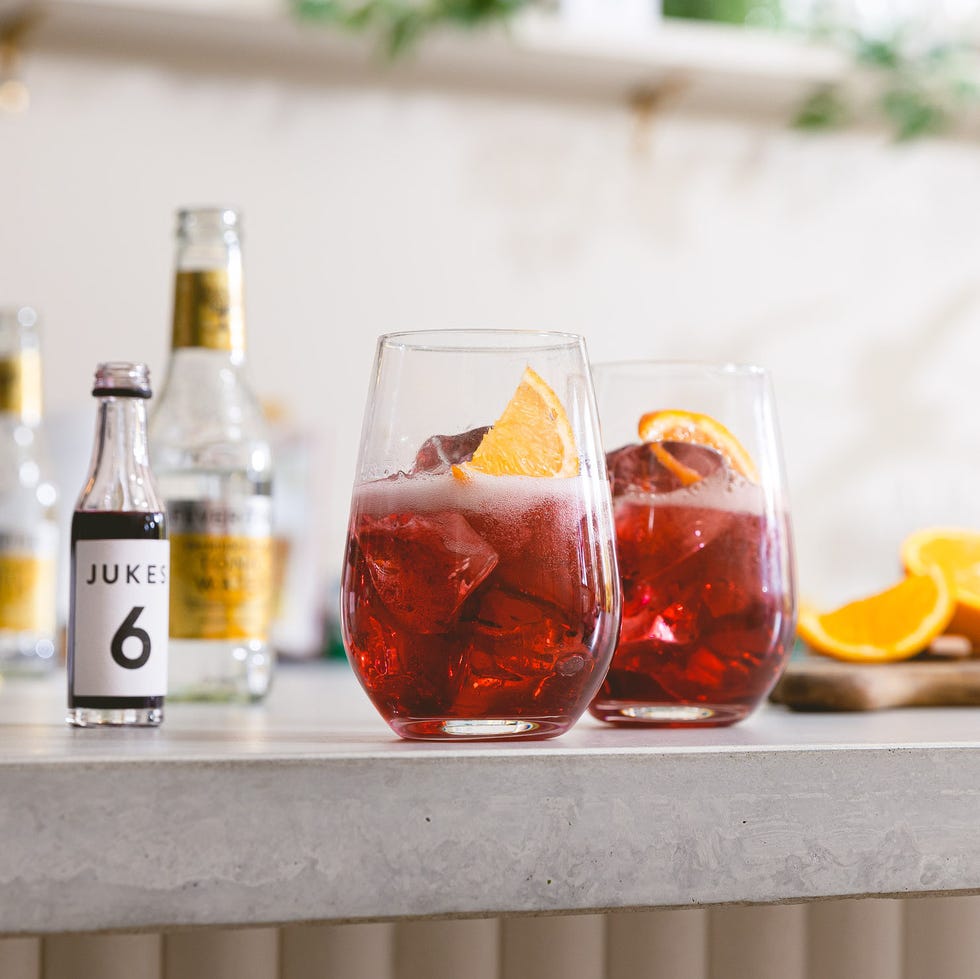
533	436
955	551
673	425
893	625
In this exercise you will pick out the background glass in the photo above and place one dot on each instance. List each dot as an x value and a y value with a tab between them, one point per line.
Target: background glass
705	553
486	606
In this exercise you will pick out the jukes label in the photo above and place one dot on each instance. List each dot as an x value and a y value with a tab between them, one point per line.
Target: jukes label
121	610
222	558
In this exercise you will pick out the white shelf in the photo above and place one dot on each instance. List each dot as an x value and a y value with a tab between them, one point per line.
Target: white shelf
535	56
309	809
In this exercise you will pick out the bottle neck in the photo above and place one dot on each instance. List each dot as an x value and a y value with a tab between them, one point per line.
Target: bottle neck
119	475
208	306
20	386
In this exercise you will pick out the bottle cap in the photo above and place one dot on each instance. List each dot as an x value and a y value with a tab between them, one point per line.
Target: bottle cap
122	379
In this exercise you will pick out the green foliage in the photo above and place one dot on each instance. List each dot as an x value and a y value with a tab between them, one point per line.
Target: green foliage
824	109
919	91
913	112
400	23
725	11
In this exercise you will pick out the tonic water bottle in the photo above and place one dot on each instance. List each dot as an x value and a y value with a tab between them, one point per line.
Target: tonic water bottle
28	525
211	454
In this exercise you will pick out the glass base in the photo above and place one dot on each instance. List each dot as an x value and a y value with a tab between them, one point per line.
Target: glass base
669	715
216	671
26	654
478	729
114	716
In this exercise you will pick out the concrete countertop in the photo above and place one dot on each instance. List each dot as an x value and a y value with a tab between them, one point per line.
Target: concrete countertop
309	809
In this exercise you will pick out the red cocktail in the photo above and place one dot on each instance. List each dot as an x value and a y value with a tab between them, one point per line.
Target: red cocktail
703	544
479	603
707	610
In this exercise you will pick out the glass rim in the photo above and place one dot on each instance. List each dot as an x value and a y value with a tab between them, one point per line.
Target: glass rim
723	367
453	341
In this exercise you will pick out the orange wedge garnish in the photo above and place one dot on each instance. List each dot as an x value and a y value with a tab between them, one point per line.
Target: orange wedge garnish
956	552
533	436
685	475
673	425
892	625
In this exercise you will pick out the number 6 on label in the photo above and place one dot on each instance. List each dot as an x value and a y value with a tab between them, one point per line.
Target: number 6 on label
127	629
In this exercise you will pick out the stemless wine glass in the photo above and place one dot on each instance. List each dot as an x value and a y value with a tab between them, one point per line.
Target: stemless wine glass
478	602
703	541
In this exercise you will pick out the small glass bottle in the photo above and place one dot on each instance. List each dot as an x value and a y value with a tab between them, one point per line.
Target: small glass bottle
120	556
28	524
211	453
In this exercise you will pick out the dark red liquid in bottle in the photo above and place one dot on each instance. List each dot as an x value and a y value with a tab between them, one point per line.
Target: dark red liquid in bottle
109	525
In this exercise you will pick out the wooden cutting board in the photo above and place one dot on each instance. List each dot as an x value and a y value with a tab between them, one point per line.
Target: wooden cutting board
824	684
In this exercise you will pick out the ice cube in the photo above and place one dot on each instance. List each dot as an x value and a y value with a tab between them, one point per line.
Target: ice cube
524	652
423	568
675	623
546	550
403	671
643	468
522	636
440	452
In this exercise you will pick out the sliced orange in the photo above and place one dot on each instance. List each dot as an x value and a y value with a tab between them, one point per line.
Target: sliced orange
674	425
686	476
533	436
892	625
956	551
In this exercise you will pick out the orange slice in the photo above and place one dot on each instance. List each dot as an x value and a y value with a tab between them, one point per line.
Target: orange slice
956	551
533	436
686	476
892	625
674	425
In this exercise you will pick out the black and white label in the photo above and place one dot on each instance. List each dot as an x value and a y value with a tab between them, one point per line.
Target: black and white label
122	613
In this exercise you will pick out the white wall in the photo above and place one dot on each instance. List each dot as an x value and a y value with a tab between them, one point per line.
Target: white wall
848	266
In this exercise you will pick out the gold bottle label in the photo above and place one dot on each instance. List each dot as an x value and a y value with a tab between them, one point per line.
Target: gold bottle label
27	582
208	310
20	383
221	561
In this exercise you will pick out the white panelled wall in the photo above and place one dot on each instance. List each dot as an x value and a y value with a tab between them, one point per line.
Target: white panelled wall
932	938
